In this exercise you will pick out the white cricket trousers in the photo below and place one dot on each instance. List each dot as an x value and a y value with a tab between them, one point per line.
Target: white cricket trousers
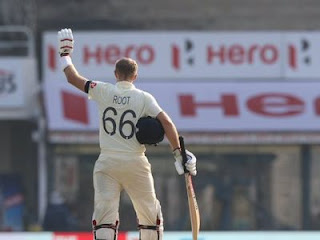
114	172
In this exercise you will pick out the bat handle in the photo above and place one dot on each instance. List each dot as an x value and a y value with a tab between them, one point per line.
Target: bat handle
183	154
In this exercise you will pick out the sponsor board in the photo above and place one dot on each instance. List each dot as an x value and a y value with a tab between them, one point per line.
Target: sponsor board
186	56
18	87
302	62
207	235
203	107
69	109
81	236
243	235
26	236
11	83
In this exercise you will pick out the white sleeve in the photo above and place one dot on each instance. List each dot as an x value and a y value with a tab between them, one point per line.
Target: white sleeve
97	90
152	107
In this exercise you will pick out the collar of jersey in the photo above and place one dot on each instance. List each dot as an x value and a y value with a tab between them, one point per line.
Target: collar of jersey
125	84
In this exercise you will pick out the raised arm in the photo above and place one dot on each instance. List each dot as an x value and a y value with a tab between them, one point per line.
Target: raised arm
75	78
65	45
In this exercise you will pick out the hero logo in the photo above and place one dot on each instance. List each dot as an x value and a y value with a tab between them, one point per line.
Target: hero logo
274	105
7	84
188	54
234	54
144	54
237	54
303	48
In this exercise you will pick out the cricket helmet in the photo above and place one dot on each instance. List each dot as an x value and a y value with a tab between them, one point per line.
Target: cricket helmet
149	131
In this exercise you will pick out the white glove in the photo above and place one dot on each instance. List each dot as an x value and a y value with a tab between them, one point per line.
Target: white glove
65	42
190	164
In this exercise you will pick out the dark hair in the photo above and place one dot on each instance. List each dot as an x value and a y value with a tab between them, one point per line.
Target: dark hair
126	67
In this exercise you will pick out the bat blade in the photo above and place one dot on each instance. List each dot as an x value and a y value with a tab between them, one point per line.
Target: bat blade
193	207
192	200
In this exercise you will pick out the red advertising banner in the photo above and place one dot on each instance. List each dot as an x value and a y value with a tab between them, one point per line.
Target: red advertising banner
82	236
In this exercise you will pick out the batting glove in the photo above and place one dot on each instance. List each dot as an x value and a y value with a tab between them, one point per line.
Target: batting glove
65	42
190	164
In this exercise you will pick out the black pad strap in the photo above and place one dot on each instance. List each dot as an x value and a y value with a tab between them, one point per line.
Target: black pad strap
112	226
156	228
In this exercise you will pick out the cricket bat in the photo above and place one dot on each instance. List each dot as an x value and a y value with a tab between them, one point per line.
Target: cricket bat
192	200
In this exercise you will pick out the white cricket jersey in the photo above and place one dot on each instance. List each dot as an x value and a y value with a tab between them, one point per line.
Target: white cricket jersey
120	107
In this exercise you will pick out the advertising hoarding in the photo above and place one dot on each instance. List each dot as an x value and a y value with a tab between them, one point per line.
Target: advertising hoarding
18	87
190	55
27	236
11	82
202	107
243	235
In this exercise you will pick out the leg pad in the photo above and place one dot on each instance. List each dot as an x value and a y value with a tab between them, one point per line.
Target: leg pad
106	231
